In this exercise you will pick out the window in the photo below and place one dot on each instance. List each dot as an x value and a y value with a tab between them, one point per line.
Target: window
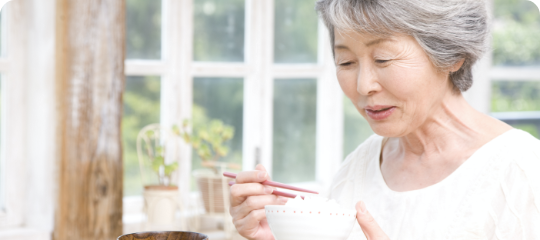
295	129
142	96
141	108
264	67
220	98
515	76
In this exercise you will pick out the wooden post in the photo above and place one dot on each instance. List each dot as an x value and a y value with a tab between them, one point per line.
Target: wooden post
90	38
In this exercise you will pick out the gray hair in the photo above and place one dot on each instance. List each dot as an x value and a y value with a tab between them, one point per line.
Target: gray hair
448	30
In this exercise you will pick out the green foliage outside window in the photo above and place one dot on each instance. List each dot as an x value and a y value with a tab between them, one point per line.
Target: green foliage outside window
516	33
516	42
295	31
219	30
513	96
141	107
295	131
143	29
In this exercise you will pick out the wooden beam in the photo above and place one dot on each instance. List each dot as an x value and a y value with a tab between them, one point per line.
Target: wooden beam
90	38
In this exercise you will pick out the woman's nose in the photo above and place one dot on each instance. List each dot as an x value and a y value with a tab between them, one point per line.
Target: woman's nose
367	82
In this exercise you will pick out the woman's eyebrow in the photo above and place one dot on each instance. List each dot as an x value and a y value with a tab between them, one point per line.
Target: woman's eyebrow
339	46
369	44
377	41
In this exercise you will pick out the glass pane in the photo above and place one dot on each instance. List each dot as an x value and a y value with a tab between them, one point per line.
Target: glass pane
295	105
219	30
295	31
220	99
516	32
143	29
356	129
515	96
141	107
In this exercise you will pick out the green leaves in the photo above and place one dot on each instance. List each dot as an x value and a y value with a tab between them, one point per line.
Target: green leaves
169	169
208	138
157	162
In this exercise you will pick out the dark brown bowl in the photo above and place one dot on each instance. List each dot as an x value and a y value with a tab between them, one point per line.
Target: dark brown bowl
164	235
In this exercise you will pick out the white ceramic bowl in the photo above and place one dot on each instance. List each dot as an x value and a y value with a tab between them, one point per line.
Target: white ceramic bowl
302	223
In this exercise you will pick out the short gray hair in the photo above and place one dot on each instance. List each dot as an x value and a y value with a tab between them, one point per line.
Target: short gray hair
447	30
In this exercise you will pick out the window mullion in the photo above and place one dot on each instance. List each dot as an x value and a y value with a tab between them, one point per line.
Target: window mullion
515	74
329	140
258	85
221	69
297	70
177	81
140	67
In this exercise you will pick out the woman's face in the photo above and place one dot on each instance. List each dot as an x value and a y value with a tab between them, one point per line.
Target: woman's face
391	81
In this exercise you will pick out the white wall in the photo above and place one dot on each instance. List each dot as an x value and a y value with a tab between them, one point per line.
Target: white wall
30	136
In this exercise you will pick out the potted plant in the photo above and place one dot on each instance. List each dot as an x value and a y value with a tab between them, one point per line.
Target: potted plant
161	196
208	140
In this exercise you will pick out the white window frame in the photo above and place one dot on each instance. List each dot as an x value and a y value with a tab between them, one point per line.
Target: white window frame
177	70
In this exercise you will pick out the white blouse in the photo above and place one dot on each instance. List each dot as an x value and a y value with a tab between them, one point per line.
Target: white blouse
495	194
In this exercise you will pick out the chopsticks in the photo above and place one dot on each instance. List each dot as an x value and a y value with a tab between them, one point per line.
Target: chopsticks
275	192
275	184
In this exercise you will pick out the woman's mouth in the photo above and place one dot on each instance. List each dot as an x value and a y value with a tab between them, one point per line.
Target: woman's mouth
379	112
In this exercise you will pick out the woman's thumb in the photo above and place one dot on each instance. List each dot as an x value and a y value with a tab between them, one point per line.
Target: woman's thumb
369	226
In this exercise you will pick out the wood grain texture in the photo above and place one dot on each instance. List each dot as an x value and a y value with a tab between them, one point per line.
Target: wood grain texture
164	236
90	38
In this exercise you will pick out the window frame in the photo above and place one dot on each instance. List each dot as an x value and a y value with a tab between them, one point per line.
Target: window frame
177	70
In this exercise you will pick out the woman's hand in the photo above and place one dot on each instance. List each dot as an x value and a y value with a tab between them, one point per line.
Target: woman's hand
370	228
248	198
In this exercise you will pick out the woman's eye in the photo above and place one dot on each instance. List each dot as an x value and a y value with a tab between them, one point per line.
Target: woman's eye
381	61
345	64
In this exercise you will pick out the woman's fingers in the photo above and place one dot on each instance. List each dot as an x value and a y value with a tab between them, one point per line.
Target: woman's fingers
240	192
260	167
256	176
369	226
256	203
249	225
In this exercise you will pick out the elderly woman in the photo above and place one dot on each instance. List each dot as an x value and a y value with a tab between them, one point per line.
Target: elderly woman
436	168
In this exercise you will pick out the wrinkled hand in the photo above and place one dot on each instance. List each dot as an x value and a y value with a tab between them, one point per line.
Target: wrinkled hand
368	224
248	198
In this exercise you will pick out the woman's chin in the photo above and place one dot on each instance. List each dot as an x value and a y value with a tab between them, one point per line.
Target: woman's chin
387	129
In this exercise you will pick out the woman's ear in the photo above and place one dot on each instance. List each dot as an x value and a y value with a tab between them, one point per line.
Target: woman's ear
457	66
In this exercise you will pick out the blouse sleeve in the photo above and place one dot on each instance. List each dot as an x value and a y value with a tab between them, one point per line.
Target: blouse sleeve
517	211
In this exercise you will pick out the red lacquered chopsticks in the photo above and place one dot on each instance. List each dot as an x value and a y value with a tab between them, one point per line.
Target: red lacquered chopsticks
275	184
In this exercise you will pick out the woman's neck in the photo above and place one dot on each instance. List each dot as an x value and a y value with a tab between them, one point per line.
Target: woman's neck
450	128
438	147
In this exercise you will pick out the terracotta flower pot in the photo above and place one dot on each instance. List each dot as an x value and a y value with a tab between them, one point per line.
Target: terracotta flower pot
213	191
